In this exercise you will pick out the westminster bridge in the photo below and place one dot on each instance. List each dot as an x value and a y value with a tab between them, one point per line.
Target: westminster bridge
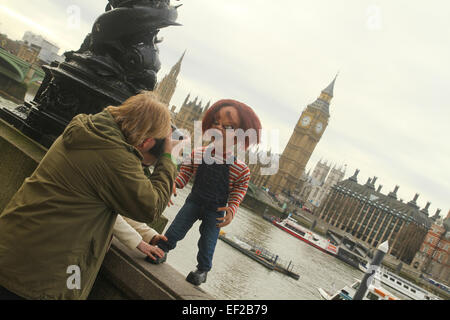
16	75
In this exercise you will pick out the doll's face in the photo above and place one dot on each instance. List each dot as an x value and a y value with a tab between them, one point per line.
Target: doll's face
227	121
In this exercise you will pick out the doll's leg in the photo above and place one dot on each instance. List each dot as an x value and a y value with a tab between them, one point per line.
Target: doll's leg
182	223
209	234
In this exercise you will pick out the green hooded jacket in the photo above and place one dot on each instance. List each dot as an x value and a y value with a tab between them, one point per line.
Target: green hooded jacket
56	230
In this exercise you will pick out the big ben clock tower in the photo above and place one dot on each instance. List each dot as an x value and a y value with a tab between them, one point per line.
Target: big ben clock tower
307	134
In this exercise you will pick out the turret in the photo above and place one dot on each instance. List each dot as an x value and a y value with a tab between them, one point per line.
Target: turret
393	194
425	210
355	176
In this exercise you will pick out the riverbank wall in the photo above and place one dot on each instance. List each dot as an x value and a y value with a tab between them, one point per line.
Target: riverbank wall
12	90
261	208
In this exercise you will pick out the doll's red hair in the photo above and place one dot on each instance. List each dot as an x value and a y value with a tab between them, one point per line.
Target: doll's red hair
249	119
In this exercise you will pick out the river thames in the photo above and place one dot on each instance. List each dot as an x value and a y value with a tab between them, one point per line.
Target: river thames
235	276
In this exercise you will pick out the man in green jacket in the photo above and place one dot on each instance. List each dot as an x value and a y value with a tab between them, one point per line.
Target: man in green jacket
56	230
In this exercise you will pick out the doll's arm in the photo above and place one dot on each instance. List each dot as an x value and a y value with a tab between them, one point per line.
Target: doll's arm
185	174
188	168
239	190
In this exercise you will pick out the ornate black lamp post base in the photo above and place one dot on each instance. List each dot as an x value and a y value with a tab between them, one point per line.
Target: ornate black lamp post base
117	60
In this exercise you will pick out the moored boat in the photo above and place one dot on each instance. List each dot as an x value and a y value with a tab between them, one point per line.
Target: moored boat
374	292
436	283
401	285
260	255
291	226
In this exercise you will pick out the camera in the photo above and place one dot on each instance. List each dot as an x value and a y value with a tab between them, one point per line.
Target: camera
157	150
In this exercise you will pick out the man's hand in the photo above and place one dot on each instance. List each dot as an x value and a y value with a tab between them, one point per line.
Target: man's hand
174	192
150	250
156	239
227	219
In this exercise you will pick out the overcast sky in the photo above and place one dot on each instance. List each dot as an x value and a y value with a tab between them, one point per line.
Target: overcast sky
390	111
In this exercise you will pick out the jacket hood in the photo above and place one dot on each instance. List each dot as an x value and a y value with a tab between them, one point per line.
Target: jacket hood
98	131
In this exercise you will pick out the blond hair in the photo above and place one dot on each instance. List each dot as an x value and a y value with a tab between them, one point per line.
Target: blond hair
142	116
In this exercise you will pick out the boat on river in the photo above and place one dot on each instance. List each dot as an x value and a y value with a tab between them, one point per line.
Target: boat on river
374	292
436	283
267	259
269	218
401	285
291	226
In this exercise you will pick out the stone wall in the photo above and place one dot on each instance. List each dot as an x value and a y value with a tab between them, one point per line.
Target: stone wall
12	90
19	157
261	208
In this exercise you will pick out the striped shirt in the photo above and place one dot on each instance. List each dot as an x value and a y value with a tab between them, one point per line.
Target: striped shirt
239	176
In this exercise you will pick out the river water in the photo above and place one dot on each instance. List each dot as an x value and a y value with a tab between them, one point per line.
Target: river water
236	277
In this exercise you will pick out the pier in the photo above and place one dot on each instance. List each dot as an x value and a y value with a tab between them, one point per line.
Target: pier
269	260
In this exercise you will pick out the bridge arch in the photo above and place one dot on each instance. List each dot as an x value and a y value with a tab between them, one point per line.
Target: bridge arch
11	69
38	76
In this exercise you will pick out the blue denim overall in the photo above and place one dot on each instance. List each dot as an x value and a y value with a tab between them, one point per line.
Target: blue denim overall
210	192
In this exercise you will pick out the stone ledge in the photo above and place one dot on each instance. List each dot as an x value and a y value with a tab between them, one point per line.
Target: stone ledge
132	277
27	146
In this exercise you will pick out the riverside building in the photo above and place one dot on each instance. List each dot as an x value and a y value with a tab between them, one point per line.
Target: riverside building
433	256
372	217
317	185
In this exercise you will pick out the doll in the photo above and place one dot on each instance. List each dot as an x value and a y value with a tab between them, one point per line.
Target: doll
219	185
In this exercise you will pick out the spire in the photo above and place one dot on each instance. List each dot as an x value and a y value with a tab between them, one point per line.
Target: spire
166	88
371	183
323	102
207	107
187	99
177	67
330	89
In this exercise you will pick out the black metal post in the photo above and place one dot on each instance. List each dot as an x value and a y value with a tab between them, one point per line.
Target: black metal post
275	261
371	270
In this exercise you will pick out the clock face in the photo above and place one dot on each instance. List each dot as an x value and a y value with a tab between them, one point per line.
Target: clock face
319	127
306	121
